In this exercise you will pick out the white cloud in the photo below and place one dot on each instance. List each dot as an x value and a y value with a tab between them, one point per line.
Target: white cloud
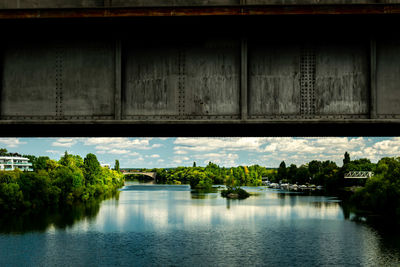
11	142
121	143
201	144
64	142
180	152
177	160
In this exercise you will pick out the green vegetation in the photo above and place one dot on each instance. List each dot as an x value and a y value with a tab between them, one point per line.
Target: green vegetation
325	173
116	165
205	177
237	192
381	193
53	183
73	179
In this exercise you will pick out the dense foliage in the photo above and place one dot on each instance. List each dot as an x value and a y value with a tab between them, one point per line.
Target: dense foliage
325	173
237	192
381	193
205	177
52	183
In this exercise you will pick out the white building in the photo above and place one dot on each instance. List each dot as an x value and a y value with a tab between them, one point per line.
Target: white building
12	163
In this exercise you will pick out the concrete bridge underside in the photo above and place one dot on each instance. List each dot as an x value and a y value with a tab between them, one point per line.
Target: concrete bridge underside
152	175
169	74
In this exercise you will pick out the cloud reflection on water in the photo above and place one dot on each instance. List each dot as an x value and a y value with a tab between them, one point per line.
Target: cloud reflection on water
170	210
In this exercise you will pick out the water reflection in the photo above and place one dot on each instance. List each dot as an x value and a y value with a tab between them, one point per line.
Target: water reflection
173	225
42	221
172	208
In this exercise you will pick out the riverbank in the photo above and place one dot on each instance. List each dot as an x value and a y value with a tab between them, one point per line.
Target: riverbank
149	226
68	181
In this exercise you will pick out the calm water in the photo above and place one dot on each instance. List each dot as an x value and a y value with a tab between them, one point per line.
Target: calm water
153	225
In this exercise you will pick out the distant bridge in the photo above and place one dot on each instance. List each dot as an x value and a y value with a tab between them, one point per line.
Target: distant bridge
358	175
153	175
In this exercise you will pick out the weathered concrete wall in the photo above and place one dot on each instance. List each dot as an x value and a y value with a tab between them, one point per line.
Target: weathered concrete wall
141	3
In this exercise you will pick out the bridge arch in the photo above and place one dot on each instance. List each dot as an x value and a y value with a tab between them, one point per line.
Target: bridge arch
152	175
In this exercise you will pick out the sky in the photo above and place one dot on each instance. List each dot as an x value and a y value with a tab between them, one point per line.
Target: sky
228	152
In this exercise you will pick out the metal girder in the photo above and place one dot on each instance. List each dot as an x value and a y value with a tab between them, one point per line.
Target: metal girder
358	175
229	77
184	11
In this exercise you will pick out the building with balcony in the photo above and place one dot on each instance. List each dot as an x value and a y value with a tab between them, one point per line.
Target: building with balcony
8	163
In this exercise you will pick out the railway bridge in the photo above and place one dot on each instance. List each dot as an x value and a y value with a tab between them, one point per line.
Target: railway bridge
177	67
358	175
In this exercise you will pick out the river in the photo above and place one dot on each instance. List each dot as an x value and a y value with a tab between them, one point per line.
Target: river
167	225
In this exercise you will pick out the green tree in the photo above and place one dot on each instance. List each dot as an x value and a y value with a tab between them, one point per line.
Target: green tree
303	175
282	173
381	193
314	167
346	159
65	160
40	163
116	165
91	168
292	174
3	152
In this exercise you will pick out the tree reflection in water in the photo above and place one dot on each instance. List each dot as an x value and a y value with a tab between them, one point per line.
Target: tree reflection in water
62	218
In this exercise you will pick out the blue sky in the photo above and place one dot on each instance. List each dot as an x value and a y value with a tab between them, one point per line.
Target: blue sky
172	152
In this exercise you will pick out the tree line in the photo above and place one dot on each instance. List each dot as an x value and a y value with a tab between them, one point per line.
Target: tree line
380	194
205	177
53	183
324	173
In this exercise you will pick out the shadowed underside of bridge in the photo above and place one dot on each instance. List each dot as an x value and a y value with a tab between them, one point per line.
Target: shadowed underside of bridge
152	175
220	68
